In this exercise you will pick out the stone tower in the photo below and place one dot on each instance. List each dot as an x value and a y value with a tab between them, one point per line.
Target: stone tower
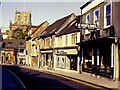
22	18
22	21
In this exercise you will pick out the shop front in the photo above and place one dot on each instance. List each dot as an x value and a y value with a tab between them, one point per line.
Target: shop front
46	58
99	57
67	59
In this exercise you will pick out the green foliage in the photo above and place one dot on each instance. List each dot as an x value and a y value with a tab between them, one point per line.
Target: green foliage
19	34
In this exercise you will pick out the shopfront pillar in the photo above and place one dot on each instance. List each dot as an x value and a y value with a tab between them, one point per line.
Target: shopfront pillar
78	64
98	61
92	56
54	60
112	60
112	55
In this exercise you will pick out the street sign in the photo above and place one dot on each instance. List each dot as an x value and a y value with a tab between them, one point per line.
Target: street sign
85	26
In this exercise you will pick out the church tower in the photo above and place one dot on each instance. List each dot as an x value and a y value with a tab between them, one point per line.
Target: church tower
22	18
22	21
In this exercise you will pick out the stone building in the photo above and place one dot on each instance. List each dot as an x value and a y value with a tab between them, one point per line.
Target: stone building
13	51
22	22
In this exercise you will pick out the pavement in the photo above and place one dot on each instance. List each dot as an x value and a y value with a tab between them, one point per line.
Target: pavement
87	78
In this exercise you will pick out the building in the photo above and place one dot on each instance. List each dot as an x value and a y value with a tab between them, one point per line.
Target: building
1	39
13	51
22	23
100	33
66	50
49	42
33	45
5	34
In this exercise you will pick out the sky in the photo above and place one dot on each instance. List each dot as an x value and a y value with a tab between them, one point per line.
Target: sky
41	11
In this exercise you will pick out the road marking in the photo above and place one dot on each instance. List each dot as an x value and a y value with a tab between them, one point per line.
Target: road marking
17	79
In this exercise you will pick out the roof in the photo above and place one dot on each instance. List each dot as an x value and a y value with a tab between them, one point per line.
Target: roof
15	43
40	29
57	25
70	28
33	26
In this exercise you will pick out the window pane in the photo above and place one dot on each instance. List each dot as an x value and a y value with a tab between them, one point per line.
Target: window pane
97	15
108	9
88	19
108	20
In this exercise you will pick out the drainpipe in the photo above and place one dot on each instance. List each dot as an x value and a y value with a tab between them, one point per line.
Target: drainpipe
81	55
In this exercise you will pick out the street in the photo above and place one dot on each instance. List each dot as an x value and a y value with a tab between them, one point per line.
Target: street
36	80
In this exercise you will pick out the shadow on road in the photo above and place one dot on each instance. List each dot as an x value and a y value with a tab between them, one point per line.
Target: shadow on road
34	80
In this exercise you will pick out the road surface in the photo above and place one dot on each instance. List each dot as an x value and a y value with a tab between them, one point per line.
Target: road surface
39	80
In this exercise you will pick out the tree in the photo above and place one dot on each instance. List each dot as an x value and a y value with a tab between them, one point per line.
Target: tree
19	34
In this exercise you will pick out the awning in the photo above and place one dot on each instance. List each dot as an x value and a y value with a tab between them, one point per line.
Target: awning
67	51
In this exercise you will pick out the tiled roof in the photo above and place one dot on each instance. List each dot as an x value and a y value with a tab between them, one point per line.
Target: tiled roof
70	28
56	26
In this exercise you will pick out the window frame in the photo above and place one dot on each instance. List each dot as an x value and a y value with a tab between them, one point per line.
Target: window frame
98	19
87	22
106	16
74	38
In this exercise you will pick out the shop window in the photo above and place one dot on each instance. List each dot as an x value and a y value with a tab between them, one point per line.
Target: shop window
88	58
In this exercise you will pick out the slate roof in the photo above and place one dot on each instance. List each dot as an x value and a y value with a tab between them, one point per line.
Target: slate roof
70	28
50	30
40	29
